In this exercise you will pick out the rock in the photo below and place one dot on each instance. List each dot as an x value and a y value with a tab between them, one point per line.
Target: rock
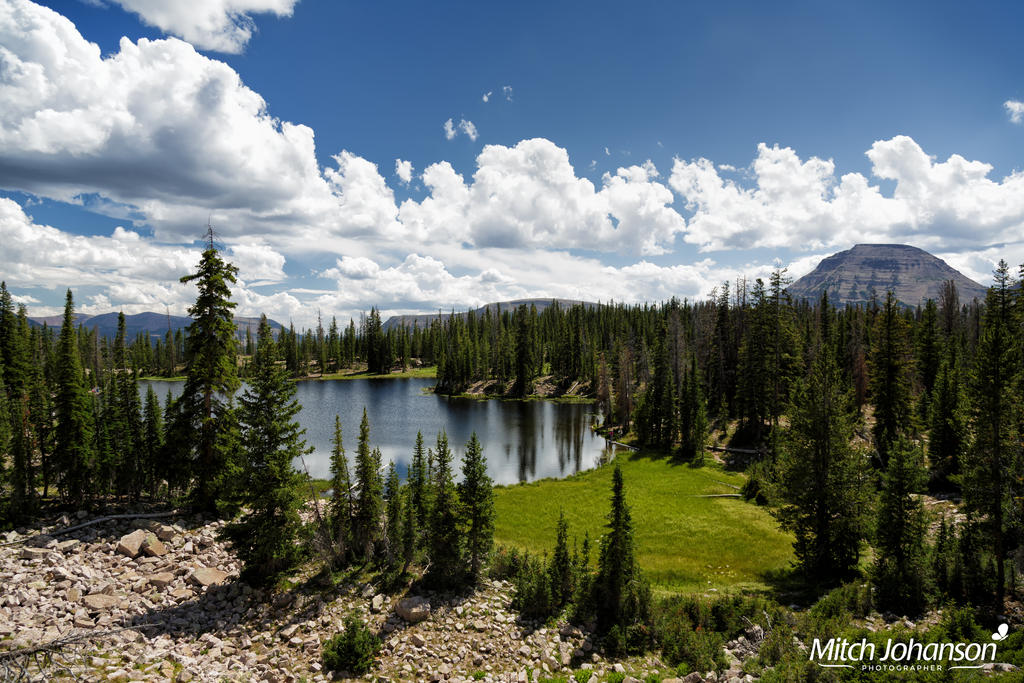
153	547
99	601
413	610
480	625
377	604
417	640
689	678
164	532
161	580
619	668
630	679
73	595
33	553
208	576
129	544
182	594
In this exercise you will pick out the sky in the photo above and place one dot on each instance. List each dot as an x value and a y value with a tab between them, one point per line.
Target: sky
434	156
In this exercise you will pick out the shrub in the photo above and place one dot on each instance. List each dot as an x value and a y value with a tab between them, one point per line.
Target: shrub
533	590
353	650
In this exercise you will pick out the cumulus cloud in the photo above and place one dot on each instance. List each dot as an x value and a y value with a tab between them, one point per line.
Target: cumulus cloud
530	195
1015	109
469	129
804	205
487	96
221	25
403	169
449	129
155	130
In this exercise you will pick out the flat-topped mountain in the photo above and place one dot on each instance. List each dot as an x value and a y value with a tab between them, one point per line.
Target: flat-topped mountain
154	324
852	276
424	320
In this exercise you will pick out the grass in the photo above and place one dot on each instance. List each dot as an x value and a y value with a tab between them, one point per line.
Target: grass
154	378
429	372
683	543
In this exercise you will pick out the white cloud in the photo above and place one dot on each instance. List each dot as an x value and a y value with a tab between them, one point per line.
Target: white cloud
803	205
529	195
1015	109
506	90
449	129
222	25
403	169
366	205
154	131
606	152
469	129
487	96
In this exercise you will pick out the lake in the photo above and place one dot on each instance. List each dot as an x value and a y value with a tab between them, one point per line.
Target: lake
522	440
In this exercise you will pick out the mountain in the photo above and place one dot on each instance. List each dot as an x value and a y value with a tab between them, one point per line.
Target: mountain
155	324
914	275
424	319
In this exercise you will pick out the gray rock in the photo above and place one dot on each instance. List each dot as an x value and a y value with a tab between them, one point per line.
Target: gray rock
413	610
129	544
99	601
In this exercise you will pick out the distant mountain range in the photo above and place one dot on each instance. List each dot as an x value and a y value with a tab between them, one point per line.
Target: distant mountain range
852	276
424	320
154	324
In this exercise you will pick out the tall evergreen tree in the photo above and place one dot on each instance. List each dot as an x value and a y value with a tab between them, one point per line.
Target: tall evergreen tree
393	514
339	513
890	377
152	443
820	478
947	432
476	495
620	595
264	537
445	547
369	504
74	449
901	571
560	571
419	483
207	405
993	463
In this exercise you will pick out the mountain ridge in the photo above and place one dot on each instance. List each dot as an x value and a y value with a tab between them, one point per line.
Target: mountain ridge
857	274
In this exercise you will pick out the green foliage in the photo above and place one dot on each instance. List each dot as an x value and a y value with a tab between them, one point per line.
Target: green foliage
393	516
339	510
821	483
74	448
532	597
476	495
352	651
207	430
901	572
890	377
264	538
445	542
560	571
369	503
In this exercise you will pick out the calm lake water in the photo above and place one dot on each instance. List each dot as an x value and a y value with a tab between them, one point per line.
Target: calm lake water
522	440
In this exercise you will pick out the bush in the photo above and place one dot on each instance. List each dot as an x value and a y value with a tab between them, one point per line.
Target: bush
353	650
533	590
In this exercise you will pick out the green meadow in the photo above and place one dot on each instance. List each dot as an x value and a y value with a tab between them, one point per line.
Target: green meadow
684	542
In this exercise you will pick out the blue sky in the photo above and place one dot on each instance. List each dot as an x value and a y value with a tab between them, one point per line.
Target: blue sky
624	151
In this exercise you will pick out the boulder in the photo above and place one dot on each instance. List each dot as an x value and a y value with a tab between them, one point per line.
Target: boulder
129	544
164	532
34	553
99	601
208	576
161	580
378	603
413	610
153	547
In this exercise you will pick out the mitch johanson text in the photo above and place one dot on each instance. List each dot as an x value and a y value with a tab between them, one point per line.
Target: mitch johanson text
844	651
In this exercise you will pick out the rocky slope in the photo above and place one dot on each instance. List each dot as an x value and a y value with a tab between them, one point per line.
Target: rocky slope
159	600
913	274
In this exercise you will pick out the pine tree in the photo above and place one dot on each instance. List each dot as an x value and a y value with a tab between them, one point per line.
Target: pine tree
369	504
445	547
992	464
393	516
409	529
476	495
152	444
947	433
207	406
74	449
419	483
820	478
890	377
620	595
264	537
339	512
901	572
560	571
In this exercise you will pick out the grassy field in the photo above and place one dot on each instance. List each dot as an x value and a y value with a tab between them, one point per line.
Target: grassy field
429	372
684	543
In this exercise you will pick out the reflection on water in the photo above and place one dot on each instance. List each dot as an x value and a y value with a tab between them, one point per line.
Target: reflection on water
523	441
